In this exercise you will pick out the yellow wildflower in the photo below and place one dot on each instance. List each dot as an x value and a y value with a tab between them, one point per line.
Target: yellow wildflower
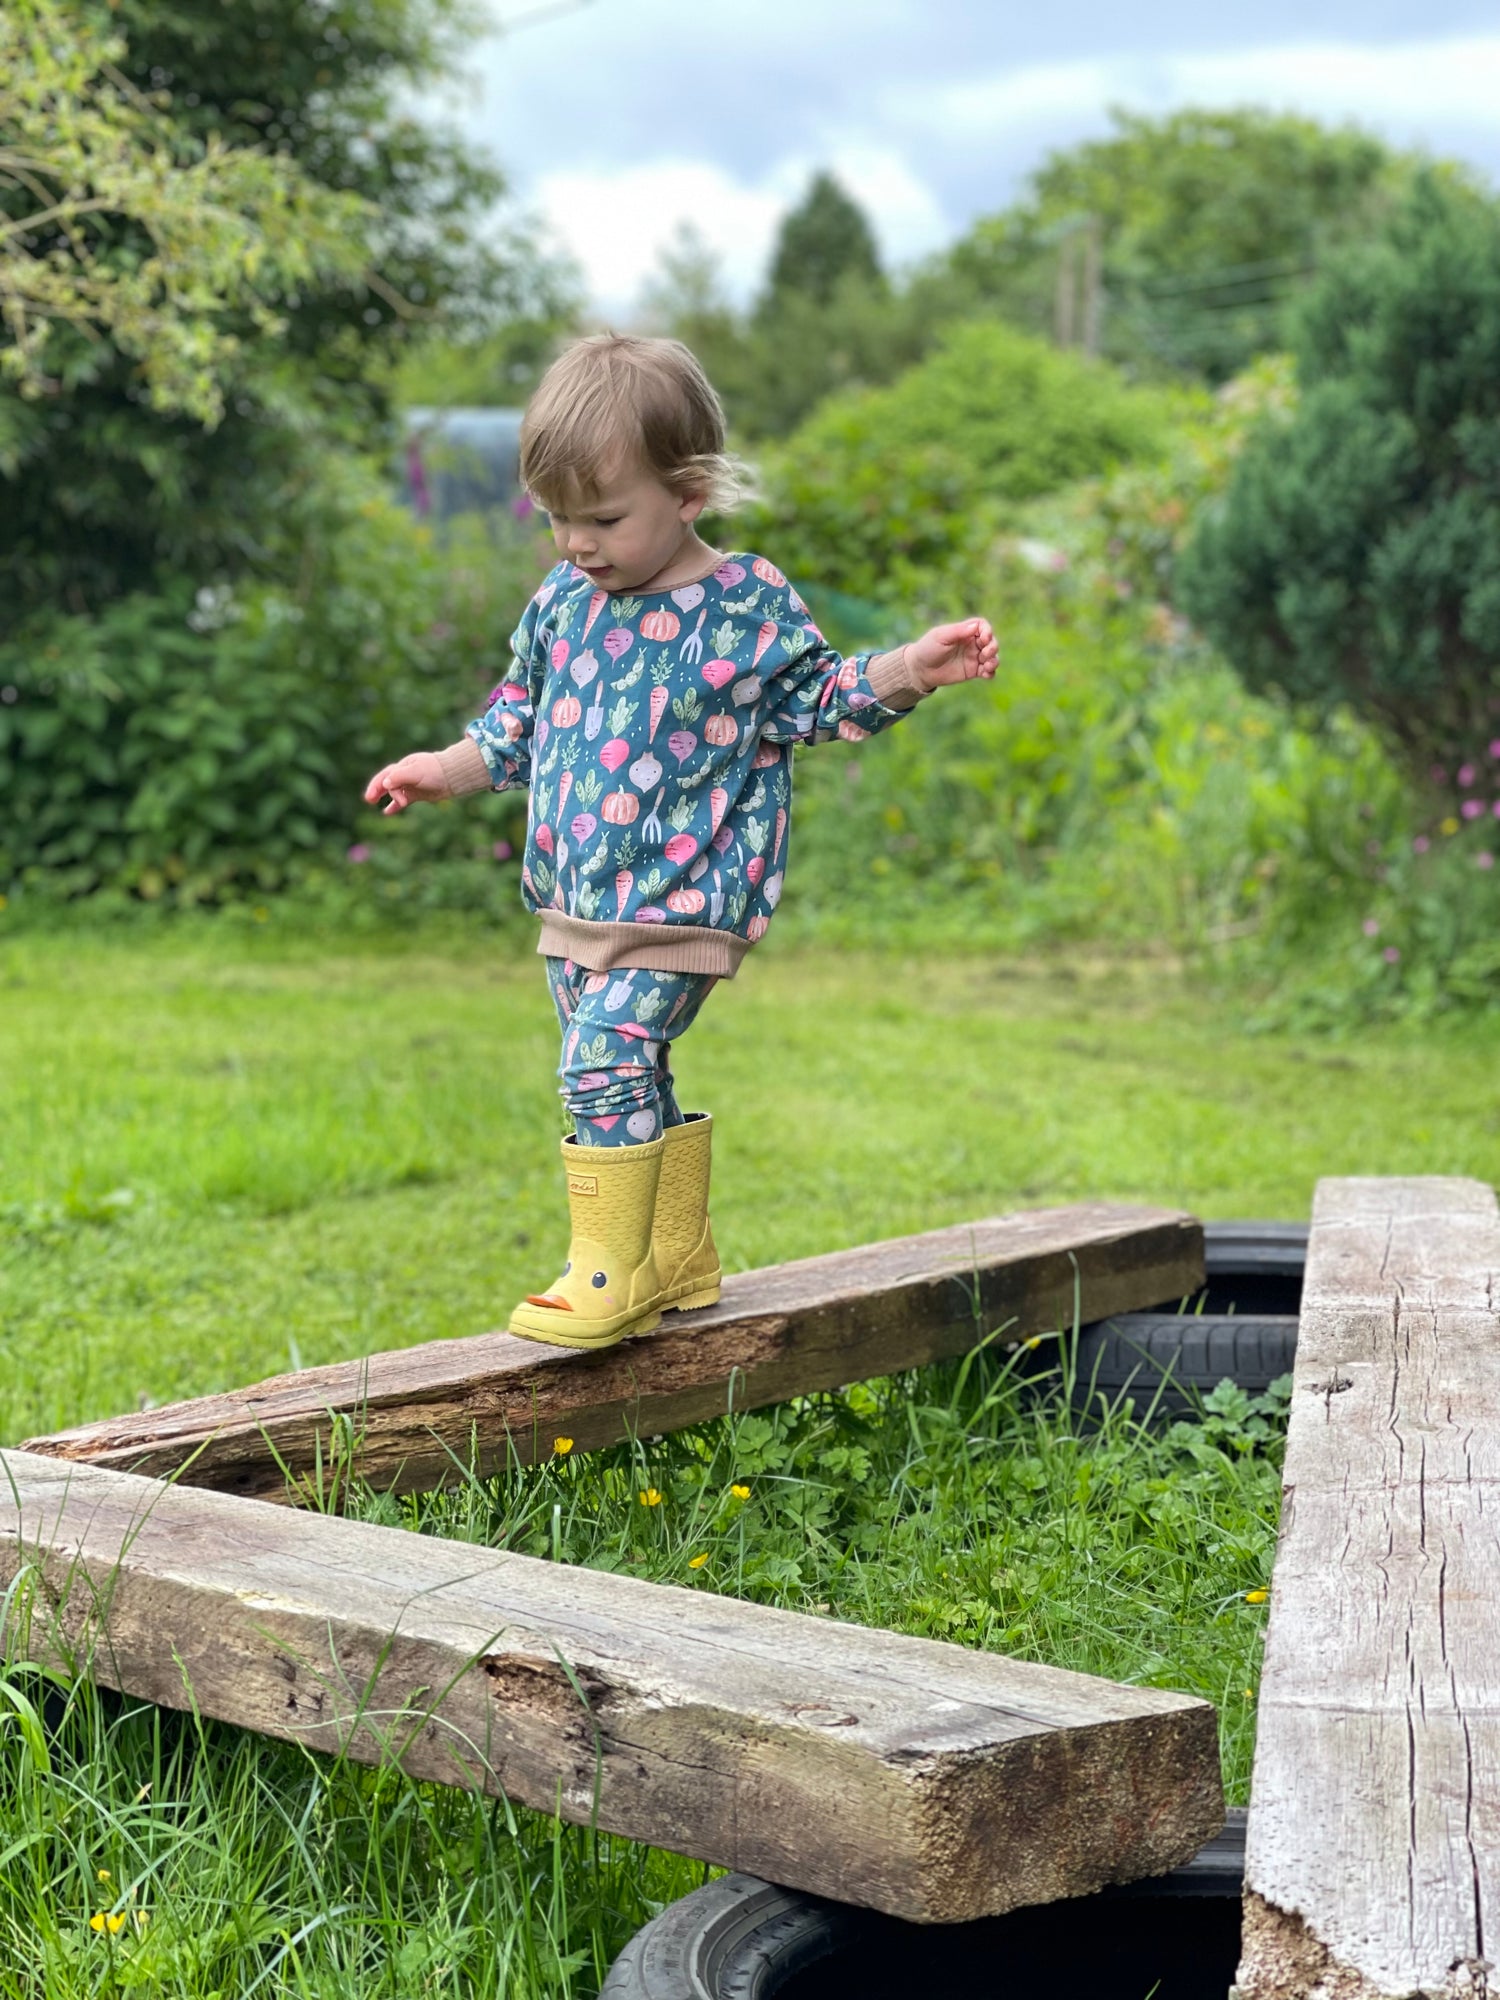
697	1562
261	914
562	1446
740	1492
104	1921
104	1875
1256	1596
650	1497
1449	826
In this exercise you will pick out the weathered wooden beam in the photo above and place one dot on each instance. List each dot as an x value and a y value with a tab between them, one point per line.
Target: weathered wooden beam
413	1418
1373	1855
912	1776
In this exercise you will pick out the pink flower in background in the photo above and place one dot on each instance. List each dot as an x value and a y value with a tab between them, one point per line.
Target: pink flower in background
1472	808
502	850
1495	747
1485	860
1421	844
523	507
1370	927
1391	955
358	852
1466	774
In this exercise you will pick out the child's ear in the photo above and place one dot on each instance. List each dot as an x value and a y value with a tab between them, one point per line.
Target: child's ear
691	507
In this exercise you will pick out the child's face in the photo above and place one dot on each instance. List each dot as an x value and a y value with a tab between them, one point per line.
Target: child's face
628	533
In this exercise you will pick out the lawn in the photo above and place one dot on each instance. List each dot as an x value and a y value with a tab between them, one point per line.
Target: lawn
226	1150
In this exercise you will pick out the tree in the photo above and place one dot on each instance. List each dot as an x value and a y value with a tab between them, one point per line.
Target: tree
823	242
1355	555
224	230
1208	223
104	490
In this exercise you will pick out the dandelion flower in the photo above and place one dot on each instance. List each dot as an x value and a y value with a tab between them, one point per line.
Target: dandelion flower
740	1492
562	1446
1256	1596
697	1562
650	1497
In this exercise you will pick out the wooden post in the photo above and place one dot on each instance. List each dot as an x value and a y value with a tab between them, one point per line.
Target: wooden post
911	1776
414	1419
1373	1855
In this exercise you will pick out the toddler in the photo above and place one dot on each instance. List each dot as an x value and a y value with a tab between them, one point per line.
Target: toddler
657	690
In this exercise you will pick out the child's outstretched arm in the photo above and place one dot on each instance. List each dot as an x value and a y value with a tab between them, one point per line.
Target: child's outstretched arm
493	754
818	695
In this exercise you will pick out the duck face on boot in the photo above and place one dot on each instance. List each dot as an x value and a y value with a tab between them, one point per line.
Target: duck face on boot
610	1285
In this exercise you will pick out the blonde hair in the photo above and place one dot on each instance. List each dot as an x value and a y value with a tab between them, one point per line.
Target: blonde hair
615	399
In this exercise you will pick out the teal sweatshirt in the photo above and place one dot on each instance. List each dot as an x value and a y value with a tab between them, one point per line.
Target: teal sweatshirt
655	735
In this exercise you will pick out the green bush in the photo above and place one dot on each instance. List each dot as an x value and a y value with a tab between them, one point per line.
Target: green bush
195	746
1355	556
878	490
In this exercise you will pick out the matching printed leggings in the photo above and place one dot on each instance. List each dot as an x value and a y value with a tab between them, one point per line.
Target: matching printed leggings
618	1028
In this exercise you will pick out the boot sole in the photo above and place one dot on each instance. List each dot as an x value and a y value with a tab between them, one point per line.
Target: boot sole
610	1338
706	1295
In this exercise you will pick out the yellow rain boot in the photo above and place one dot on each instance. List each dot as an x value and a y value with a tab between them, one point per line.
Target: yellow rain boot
609	1286
683	1237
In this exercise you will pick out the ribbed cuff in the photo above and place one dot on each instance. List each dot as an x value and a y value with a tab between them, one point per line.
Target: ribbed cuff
464	768
893	682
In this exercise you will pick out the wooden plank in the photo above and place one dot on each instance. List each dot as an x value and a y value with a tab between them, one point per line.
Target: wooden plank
419	1414
908	1775
1373	1855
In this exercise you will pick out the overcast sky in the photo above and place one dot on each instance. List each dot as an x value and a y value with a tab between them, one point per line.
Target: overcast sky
619	119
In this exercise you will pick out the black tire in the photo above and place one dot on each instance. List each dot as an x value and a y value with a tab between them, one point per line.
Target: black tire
734	1939
741	1939
1182	1355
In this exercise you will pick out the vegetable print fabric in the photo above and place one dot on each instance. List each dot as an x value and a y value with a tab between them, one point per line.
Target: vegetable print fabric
618	1029
655	734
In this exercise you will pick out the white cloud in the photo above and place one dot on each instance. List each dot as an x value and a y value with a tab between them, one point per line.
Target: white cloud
1403	88
617	224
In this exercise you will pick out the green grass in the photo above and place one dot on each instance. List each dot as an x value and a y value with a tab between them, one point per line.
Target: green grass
330	1147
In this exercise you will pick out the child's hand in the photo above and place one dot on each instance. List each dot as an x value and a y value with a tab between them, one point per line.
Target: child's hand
948	653
410	780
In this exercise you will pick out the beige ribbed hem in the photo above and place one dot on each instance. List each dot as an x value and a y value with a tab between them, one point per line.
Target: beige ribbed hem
464	768
894	684
658	947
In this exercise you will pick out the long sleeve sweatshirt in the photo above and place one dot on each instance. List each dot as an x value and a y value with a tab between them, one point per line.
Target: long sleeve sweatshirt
654	734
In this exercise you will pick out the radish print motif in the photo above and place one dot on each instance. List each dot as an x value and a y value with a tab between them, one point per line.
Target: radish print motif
689	597
582	827
719	672
745	691
727	575
584	669
682	743
645	772
559	653
614	753
618	642
772	890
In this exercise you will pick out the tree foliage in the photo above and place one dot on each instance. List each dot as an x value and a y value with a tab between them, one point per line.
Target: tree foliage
119	229
1355	557
1210	221
824	242
344	226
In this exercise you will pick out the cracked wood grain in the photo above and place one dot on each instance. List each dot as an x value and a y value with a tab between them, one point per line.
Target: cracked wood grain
419	1416
911	1776
1373	1853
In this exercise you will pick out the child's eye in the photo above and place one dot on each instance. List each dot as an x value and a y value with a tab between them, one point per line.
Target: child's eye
612	522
